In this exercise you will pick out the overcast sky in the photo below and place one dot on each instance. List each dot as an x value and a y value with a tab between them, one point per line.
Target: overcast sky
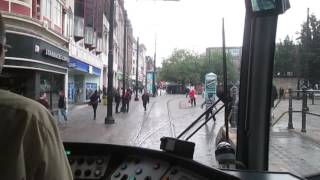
197	24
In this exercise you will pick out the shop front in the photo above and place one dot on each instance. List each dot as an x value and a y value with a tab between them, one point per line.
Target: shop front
83	80
34	66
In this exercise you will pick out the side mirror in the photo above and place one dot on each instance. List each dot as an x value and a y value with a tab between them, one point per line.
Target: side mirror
269	7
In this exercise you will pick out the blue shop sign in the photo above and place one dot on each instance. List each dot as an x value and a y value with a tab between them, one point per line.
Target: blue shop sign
84	67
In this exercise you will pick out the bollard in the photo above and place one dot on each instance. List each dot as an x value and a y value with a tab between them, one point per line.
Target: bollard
290	125
304	109
234	92
312	96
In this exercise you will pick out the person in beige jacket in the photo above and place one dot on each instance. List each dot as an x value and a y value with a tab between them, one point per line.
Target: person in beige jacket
30	144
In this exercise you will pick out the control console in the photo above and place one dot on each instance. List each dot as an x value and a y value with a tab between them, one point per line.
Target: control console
113	162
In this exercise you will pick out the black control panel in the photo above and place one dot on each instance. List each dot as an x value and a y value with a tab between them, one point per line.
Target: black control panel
114	162
135	167
88	167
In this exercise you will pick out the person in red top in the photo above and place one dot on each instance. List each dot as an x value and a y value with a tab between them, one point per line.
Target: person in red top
192	95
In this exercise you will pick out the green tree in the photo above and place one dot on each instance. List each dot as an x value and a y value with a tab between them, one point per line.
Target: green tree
309	42
285	57
213	63
186	67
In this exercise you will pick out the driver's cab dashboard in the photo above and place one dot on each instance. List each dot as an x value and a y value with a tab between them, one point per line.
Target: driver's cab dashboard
113	162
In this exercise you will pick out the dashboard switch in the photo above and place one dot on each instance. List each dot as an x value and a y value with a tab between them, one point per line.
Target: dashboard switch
87	172
138	171
156	166
97	173
117	174
77	172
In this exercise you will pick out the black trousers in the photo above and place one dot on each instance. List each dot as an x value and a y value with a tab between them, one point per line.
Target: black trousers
117	107
127	106
145	106
94	106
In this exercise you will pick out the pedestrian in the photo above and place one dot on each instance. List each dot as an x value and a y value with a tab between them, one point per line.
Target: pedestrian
94	101
281	92
99	94
187	92
127	98
145	99
43	99
274	95
117	99
62	106
31	147
192	95
209	102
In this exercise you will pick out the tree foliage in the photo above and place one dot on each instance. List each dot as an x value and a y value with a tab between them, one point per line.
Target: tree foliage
184	66
309	42
285	57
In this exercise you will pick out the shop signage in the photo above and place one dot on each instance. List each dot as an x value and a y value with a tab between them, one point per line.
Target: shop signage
90	69
50	53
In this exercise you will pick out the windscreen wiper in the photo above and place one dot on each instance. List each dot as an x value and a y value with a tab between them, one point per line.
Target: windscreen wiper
185	148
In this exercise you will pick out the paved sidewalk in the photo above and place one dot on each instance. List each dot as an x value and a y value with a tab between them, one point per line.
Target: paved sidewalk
292	150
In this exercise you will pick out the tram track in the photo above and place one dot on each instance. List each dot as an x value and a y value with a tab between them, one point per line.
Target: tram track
142	124
150	133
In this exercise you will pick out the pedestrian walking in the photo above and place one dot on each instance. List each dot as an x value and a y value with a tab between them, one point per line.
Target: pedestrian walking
43	99
192	95
94	101
117	99
62	107
209	102
281	93
126	99
145	100
274	96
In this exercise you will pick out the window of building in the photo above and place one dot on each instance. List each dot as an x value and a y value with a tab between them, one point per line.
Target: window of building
46	6
57	15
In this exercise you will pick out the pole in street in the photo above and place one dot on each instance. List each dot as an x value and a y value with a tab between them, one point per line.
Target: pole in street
137	68
123	107
109	119
304	108
154	89
290	125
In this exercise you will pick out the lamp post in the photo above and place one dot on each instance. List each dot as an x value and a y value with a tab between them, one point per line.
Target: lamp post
123	107
137	69
154	89
109	119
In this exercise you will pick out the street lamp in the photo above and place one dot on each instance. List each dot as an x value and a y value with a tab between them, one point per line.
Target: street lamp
109	119
137	69
154	69
123	107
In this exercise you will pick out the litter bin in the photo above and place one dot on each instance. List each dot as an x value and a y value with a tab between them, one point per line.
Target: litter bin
104	100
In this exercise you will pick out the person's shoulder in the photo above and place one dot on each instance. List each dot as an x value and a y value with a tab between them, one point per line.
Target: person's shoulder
11	100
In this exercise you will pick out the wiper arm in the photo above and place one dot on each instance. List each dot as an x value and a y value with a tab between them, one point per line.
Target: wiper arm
197	120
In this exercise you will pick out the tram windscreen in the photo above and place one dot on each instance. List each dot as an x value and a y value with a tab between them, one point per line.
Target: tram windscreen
164	71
